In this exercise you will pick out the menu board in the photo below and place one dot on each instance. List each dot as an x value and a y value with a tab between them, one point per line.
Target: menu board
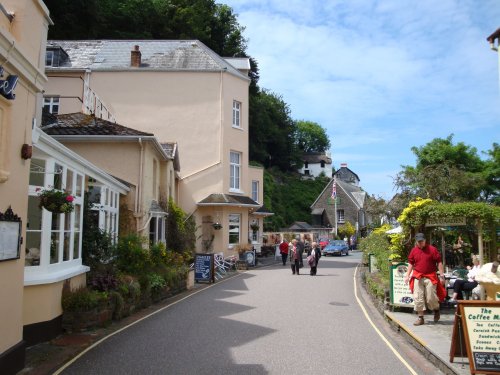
10	233
400	292
481	322
204	267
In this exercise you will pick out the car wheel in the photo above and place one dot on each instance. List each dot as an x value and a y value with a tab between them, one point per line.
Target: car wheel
347	252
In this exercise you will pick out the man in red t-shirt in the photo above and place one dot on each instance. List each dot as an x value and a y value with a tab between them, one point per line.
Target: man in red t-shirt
427	288
284	251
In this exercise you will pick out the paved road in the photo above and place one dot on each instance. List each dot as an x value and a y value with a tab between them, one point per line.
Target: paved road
265	321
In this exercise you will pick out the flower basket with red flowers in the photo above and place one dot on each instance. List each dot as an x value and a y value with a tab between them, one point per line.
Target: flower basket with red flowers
56	201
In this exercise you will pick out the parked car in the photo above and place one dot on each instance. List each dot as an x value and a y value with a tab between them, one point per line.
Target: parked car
323	242
336	247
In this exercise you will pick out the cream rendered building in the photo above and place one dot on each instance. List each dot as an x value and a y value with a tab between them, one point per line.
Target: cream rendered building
147	167
23	35
180	91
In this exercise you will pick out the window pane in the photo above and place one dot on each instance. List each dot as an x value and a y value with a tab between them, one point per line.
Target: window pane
58	176
69	181
76	224
66	246
34	214
76	245
234	229
95	194
37	174
33	244
54	247
78	190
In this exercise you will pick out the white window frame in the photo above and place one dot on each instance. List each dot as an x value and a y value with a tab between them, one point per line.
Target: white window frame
108	209
235	227
235	171
255	190
340	216
49	58
50	102
69	223
236	114
157	229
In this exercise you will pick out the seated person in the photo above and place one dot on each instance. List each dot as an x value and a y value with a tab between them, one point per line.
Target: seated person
469	284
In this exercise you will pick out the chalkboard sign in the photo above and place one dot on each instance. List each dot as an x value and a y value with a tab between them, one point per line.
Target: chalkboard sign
400	292
487	361
481	323
204	267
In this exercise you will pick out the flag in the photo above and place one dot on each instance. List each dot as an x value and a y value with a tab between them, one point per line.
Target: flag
334	189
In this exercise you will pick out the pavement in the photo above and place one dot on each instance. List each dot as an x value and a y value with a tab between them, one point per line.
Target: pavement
432	339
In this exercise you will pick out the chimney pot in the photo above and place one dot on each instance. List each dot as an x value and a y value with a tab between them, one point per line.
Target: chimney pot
135	57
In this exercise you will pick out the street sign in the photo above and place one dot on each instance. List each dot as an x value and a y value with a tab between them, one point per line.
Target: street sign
445	222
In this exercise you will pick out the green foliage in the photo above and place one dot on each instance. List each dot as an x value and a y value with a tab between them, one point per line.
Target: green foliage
311	137
448	172
376	286
156	282
377	243
272	132
180	236
289	197
97	247
83	299
131	256
346	230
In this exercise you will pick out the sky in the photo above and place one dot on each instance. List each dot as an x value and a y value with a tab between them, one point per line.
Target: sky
381	76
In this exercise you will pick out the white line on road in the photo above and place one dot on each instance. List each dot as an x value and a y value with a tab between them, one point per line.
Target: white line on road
377	330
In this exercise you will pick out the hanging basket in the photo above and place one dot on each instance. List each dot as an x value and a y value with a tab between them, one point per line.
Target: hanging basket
217	226
56	201
254	227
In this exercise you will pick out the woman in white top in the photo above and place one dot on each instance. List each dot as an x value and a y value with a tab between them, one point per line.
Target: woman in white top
467	285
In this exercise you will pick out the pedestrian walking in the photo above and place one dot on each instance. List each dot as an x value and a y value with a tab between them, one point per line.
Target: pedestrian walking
470	283
425	285
294	257
284	250
315	254
300	246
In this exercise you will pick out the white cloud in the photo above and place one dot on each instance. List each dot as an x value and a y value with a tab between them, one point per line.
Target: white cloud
381	76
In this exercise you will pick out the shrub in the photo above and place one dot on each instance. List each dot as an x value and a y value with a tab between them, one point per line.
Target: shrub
83	299
131	256
102	281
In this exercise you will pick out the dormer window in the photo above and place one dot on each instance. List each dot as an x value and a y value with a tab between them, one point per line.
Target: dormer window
49	58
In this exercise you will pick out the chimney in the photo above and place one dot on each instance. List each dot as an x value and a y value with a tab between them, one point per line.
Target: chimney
343	165
135	57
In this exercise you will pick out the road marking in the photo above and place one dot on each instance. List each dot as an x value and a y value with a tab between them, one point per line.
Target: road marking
73	360
377	330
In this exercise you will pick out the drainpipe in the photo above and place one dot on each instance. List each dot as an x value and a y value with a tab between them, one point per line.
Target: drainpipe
138	194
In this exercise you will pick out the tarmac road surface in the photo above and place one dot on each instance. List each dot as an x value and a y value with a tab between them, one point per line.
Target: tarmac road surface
264	321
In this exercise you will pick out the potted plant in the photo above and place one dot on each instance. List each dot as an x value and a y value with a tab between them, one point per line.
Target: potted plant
217	225
56	201
255	227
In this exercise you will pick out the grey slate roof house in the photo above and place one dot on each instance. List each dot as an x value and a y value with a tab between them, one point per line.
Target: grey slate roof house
350	202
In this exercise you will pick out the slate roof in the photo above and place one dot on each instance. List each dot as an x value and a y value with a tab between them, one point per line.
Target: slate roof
263	211
352	191
228	200
316	158
495	35
300	225
170	149
82	124
157	55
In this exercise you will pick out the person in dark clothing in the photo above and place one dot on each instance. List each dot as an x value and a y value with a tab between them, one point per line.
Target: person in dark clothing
300	247
316	253
294	258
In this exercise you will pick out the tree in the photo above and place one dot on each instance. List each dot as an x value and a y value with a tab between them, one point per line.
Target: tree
445	172
272	132
311	137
